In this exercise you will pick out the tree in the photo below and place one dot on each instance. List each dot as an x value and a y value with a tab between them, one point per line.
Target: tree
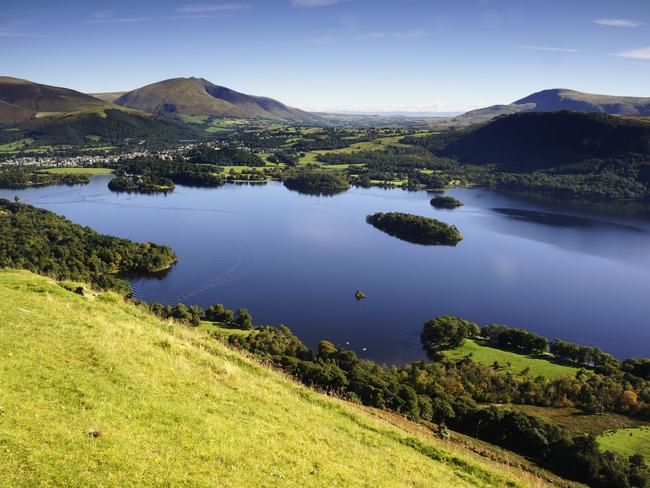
244	319
446	332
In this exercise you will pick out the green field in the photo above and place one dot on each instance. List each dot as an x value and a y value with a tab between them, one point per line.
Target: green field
510	361
220	330
15	146
79	171
96	392
376	145
627	441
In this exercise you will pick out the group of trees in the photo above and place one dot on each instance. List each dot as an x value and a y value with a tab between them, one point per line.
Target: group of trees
43	242
520	340
193	315
455	392
582	355
284	157
446	202
223	156
316	181
416	229
142	184
16	178
446	332
179	172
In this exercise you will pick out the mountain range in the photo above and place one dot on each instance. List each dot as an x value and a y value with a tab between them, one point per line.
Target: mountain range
178	98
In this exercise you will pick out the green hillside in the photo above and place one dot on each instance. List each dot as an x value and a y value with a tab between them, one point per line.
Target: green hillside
107	124
94	391
528	141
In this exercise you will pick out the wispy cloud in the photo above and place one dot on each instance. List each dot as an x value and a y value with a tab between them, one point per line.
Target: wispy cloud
212	7
618	22
641	53
107	17
14	34
120	20
370	35
314	3
201	16
414	34
550	49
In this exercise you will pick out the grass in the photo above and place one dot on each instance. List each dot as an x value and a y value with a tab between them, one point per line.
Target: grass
510	361
574	420
627	441
15	146
222	330
79	171
193	119
375	145
170	406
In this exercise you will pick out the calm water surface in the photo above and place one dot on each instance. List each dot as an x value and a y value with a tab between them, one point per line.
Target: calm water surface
563	272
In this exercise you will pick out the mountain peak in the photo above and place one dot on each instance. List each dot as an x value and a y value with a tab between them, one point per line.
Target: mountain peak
196	96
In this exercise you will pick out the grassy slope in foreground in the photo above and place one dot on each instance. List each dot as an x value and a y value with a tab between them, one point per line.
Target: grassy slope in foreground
177	408
488	355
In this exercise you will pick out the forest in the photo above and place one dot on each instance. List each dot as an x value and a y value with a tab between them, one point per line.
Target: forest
43	242
18	178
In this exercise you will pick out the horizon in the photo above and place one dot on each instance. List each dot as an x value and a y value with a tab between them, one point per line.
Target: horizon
337	55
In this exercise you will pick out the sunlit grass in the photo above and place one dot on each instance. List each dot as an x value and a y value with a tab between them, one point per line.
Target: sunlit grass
510	361
171	406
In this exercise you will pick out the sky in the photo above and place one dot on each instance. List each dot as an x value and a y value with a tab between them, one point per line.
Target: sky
366	55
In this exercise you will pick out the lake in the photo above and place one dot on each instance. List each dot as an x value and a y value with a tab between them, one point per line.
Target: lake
568	272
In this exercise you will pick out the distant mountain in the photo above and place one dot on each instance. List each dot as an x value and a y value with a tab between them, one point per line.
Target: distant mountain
180	97
563	99
527	141
109	96
22	100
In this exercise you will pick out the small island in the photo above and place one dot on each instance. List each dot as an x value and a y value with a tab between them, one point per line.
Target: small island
359	295
446	202
416	229
141	184
317	182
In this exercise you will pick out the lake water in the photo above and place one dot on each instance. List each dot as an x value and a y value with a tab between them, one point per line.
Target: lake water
582	276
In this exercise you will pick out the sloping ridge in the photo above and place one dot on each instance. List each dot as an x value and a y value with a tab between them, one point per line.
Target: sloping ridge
197	96
558	99
94	390
21	99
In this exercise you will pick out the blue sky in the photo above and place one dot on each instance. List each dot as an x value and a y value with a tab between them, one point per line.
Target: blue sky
435	55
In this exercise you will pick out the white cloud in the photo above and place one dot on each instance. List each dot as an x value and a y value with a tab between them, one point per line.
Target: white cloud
212	7
550	49
641	53
314	3
618	22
